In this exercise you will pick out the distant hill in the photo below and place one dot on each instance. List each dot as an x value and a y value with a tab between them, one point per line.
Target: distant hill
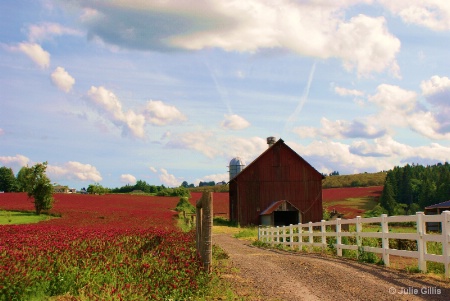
356	180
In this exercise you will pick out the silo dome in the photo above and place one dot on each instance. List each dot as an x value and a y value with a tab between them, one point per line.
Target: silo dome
236	166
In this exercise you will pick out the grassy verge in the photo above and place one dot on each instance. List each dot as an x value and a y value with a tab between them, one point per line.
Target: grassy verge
21	217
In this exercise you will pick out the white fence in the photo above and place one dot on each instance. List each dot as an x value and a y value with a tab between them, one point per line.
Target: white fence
295	236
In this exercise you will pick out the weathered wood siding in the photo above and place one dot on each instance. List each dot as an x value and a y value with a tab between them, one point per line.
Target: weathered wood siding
278	174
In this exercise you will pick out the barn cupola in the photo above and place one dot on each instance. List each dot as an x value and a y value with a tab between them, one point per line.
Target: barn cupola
271	141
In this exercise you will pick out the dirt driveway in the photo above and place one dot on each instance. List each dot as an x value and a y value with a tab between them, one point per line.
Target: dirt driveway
280	275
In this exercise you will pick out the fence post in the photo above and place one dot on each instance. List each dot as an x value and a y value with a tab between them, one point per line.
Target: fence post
421	244
338	237
204	229
446	243
291	236
300	237
198	226
277	236
323	231
385	239
358	233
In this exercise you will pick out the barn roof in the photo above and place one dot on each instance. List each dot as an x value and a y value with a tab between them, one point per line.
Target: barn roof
274	206
280	141
445	204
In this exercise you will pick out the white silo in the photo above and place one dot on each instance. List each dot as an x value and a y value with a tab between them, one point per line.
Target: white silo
236	166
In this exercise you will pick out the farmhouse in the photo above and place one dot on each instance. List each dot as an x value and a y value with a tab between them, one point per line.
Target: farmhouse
277	188
436	209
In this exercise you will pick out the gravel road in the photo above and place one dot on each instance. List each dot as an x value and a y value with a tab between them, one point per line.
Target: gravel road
280	275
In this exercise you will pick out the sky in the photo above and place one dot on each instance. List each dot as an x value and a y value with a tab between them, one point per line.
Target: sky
166	91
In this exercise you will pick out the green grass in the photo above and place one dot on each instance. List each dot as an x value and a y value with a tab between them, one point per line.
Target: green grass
19	217
364	203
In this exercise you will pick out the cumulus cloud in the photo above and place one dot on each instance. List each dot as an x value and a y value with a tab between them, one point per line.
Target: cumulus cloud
215	177
347	92
362	42
436	85
202	142
62	79
158	113
432	14
153	169
128	179
47	30
234	122
363	156
16	161
34	52
110	107
73	170
340	129
169	179
246	148
396	108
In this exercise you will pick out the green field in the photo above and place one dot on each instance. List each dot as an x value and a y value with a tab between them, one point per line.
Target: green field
16	217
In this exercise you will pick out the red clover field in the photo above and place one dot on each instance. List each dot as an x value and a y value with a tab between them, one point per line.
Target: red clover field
103	247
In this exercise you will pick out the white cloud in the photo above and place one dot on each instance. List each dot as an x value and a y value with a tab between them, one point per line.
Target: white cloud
169	179
245	148
74	170
433	14
128	179
34	52
46	30
362	156
62	79
16	161
347	92
202	142
364	43
341	129
2	131
308	28
158	113
395	106
234	122
109	105
153	169
215	177
435	85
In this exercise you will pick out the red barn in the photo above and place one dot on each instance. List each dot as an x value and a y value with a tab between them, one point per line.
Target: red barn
278	174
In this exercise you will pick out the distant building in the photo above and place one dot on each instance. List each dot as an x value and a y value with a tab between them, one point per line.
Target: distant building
436	209
60	189
279	188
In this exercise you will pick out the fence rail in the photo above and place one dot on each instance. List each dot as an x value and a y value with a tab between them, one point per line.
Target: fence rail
316	235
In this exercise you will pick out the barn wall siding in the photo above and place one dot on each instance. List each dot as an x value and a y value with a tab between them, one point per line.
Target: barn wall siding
278	174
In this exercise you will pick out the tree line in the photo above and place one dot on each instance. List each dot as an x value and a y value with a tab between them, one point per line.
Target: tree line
411	188
31	180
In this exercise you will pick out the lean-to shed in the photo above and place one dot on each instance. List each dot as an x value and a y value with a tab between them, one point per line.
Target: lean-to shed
279	183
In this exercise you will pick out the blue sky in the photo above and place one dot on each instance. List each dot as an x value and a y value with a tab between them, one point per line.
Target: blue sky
170	91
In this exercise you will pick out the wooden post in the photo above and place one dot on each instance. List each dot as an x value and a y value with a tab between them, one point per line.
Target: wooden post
207	230
198	226
204	229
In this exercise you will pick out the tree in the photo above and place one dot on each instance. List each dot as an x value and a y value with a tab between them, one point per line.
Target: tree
22	179
38	186
7	180
387	199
